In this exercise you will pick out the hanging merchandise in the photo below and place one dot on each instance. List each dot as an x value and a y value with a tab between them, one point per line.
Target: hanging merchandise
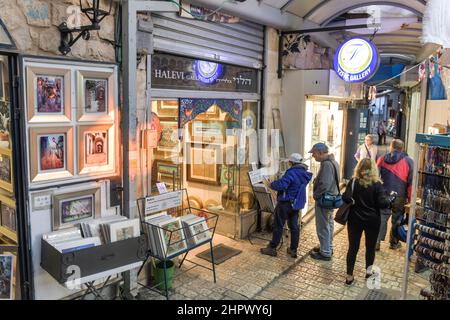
430	215
372	93
422	71
435	26
436	87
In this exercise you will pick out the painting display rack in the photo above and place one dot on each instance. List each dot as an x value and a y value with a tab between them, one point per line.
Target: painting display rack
177	241
94	264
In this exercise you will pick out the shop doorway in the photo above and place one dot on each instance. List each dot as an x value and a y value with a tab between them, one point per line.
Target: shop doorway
324	122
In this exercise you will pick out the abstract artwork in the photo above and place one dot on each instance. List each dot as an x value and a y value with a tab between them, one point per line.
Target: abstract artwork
6	276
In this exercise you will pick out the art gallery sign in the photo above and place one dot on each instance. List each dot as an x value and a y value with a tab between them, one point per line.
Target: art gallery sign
176	72
356	60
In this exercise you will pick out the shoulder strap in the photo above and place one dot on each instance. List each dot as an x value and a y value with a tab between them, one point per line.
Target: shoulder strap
368	151
353	186
335	175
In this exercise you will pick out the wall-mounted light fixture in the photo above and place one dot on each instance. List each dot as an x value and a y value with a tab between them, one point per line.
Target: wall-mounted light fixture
95	14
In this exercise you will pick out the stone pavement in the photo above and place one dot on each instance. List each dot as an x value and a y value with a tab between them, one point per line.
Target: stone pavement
251	275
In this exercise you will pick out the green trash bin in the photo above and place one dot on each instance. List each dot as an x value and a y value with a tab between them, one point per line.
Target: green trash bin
159	274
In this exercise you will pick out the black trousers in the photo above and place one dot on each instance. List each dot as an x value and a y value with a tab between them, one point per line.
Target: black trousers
355	229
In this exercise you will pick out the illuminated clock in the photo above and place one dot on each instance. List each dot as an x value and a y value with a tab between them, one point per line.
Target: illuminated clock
207	72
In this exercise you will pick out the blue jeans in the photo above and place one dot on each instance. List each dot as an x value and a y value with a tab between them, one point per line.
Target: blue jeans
284	212
325	229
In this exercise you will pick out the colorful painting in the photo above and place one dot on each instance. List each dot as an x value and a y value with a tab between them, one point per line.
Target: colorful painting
8	216
5	124
6	276
173	237
51	152
76	209
49	94
96	148
95	93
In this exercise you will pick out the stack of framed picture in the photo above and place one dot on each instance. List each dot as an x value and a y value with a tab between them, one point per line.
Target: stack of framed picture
71	121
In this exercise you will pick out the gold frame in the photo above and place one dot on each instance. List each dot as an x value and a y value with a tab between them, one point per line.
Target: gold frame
11	234
108	115
111	152
208	138
190	166
209	115
37	176
9	186
32	73
170	110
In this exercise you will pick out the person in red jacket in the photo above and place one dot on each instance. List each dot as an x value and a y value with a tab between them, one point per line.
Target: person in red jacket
396	170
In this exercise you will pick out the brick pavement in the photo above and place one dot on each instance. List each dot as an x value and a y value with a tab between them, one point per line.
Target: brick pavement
251	275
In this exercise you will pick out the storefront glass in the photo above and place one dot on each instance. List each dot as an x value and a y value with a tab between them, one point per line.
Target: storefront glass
210	161
9	278
324	123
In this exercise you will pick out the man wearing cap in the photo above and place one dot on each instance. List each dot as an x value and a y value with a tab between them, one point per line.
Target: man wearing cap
291	197
325	182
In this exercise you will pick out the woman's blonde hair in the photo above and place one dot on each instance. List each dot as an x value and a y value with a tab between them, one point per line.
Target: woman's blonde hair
366	172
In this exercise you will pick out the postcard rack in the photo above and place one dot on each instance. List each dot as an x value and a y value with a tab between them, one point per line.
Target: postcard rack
430	215
94	264
179	241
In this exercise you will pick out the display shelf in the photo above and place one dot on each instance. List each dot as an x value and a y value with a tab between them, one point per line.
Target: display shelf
429	219
8	234
175	241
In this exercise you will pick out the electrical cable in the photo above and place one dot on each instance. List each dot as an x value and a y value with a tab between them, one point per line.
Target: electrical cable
398	75
203	16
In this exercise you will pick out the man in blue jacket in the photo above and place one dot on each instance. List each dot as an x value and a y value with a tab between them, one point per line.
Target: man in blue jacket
291	197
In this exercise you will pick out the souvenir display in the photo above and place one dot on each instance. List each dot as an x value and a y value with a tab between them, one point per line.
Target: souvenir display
48	94
432	212
196	229
72	208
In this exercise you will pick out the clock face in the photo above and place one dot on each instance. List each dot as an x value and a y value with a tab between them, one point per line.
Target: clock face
355	56
207	68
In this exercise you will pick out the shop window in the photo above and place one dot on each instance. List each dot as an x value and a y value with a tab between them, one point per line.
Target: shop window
211	161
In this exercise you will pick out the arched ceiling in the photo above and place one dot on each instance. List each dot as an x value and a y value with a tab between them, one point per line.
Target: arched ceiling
405	39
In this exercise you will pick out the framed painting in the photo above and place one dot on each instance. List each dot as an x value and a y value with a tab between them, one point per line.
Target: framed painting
167	108
6	170
203	163
7	262
51	153
96	149
5	125
95	96
69	209
48	94
169	136
167	169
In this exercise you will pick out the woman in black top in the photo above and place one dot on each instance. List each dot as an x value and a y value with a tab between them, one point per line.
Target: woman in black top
368	198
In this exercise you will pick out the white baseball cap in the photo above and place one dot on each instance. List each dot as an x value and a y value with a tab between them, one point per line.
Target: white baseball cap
296	158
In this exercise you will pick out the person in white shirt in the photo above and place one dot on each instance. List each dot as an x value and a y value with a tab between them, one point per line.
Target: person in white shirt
367	150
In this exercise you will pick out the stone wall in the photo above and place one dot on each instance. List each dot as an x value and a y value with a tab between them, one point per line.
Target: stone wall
33	24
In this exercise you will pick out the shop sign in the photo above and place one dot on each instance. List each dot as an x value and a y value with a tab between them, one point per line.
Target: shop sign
176	72
356	60
163	201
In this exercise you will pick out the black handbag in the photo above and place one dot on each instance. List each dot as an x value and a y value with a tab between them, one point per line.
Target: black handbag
343	212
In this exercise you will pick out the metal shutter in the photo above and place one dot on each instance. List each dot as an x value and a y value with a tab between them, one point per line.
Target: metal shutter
241	43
